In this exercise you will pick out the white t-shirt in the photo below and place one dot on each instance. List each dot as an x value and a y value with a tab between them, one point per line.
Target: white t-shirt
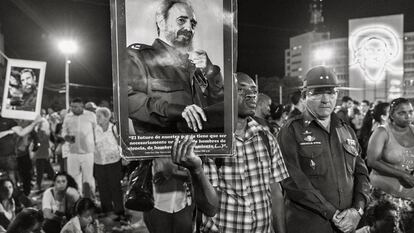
49	201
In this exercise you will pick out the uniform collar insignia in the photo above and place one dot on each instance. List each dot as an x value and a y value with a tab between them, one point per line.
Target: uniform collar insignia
306	132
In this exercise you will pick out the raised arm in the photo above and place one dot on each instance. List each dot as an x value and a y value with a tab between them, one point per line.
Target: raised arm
204	193
20	131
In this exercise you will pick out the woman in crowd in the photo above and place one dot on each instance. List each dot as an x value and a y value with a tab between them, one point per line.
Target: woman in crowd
374	118
9	206
391	153
58	201
83	222
108	167
27	221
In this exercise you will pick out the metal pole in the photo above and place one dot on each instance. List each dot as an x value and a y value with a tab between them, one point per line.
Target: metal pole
280	94
67	62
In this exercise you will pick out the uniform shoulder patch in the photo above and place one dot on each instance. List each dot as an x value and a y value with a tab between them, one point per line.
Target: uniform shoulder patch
295	118
138	46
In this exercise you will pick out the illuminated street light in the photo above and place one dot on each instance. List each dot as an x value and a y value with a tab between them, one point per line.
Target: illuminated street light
323	54
67	47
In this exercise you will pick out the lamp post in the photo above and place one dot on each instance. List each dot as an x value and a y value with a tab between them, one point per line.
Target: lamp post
323	55
67	47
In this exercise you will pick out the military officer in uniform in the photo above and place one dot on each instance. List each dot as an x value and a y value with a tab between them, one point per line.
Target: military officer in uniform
169	82
329	185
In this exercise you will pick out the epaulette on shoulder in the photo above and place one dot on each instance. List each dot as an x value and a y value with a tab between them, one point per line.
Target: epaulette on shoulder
293	119
138	46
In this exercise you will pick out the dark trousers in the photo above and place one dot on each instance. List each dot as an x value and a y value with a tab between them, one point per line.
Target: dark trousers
24	165
43	166
158	221
108	178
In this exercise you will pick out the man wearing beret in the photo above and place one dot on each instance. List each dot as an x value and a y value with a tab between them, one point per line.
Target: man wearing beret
328	188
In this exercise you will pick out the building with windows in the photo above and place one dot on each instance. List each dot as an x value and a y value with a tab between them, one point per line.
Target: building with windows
409	64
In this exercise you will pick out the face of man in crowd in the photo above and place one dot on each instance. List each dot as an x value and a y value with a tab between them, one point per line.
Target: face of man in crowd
246	97
349	104
180	25
76	108
321	101
265	108
28	82
364	107
403	115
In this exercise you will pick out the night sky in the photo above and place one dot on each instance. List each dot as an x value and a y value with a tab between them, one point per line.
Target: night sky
31	27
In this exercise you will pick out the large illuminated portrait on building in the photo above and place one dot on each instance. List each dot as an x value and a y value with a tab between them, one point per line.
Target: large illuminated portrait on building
374	50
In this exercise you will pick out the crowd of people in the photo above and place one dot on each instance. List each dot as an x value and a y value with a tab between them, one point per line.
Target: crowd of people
309	166
73	149
284	174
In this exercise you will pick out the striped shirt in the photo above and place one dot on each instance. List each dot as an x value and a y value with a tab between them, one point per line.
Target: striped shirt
243	184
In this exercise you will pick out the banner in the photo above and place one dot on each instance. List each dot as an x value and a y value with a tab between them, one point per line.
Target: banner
23	89
376	57
173	66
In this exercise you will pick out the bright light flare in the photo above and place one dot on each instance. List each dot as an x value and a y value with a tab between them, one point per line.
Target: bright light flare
323	54
68	46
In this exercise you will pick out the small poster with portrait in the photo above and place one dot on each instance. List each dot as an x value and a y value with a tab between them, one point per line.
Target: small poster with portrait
23	89
173	65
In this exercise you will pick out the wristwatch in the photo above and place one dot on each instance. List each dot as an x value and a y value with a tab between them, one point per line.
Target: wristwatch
360	211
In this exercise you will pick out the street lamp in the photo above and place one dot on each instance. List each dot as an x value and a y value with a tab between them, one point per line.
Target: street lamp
323	54
67	47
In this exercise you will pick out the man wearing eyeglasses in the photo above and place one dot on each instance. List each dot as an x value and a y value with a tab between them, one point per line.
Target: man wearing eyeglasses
329	185
170	83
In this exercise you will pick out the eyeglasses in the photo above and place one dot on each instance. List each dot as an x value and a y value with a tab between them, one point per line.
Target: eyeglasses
319	92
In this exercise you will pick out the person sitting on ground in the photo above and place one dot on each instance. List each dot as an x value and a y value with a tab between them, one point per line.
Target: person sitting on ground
29	220
9	206
83	221
58	201
382	216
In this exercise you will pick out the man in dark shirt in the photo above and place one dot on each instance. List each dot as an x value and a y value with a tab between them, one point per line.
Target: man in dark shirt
329	184
343	114
298	104
170	84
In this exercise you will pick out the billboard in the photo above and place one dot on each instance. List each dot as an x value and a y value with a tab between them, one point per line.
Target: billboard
376	57
173	75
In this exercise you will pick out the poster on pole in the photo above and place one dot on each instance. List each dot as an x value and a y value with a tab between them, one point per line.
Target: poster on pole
173	65
23	89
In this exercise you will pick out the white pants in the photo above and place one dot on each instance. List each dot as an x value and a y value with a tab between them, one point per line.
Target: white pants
80	167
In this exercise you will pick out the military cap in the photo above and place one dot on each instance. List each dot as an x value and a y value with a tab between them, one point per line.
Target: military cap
320	76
